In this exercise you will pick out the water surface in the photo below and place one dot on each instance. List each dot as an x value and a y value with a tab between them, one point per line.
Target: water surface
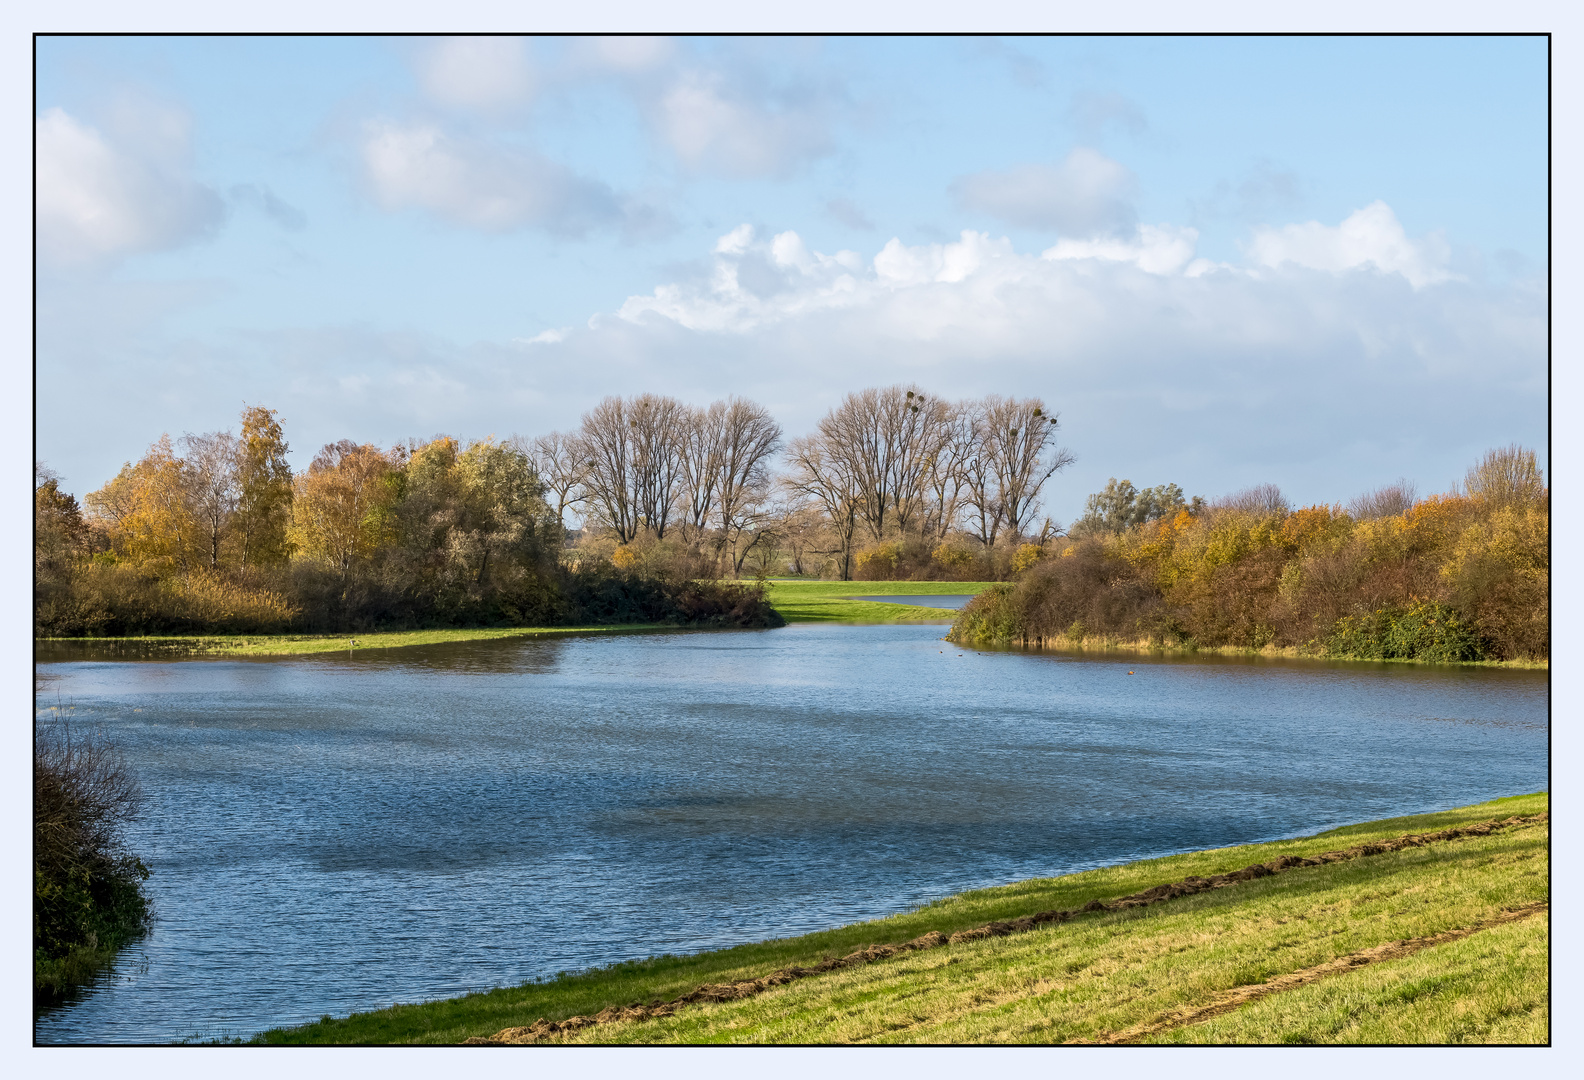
330	834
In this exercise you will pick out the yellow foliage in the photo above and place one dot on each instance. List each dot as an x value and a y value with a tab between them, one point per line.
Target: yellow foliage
1026	556
624	558
952	556
879	560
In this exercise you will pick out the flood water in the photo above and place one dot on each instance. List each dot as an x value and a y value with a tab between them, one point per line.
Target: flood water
955	602
337	834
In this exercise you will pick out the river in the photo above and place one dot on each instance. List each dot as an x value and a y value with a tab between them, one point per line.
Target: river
337	834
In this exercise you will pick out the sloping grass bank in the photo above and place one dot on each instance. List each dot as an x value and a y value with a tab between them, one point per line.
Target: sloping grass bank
1110	971
830	601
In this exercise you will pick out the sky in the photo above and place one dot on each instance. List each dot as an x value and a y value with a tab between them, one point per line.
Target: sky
1315	262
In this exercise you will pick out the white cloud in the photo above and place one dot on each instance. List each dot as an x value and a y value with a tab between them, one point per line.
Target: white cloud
630	54
477	72
1088	194
1155	249
546	337
475	184
716	124
1367	238
100	197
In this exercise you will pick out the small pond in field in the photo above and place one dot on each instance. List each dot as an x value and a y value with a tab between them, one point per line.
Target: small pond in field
330	834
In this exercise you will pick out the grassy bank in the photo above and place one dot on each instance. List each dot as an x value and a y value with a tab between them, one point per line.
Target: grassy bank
1109	972
308	644
829	601
1143	646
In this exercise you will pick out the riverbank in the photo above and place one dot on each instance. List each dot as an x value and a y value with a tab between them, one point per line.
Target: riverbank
1145	647
1424	929
310	644
795	601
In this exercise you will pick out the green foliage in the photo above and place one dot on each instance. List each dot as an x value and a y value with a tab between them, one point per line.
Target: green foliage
1120	506
1423	631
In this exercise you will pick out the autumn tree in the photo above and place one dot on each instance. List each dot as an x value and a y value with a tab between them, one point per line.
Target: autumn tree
339	506
263	509
59	531
147	511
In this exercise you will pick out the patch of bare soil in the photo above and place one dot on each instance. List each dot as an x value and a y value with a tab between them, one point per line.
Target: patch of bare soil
1239	996
543	1030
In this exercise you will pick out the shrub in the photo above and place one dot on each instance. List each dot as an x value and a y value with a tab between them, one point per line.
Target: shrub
1423	631
88	897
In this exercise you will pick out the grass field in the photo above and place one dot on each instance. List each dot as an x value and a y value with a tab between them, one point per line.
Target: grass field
827	601
1106	974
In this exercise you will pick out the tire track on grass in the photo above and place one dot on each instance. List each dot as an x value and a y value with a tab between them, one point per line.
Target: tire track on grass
543	1030
1238	996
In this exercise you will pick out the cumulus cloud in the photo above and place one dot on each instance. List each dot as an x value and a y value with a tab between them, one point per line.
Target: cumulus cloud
477	72
1088	194
1371	238
105	194
478	184
1156	249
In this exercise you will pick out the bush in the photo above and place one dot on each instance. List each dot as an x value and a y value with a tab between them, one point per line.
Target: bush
1424	631
88	897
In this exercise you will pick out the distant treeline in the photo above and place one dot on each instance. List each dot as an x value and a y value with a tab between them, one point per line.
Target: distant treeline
1455	577
222	537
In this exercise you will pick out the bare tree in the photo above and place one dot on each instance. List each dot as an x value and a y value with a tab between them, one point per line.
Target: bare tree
659	425
561	466
1506	475
631	451
1019	437
214	484
827	479
701	468
604	445
1388	501
887	441
1260	499
947	476
749	438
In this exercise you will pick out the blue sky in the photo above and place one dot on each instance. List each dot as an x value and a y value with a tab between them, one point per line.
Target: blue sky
1319	262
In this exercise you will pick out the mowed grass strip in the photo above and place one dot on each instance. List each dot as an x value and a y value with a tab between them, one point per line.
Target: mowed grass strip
1085	980
828	601
666	977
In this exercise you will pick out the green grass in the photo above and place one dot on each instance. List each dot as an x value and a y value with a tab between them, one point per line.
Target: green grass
1100	973
827	601
304	644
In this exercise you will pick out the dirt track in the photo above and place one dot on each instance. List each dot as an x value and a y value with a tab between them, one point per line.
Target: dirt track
543	1030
